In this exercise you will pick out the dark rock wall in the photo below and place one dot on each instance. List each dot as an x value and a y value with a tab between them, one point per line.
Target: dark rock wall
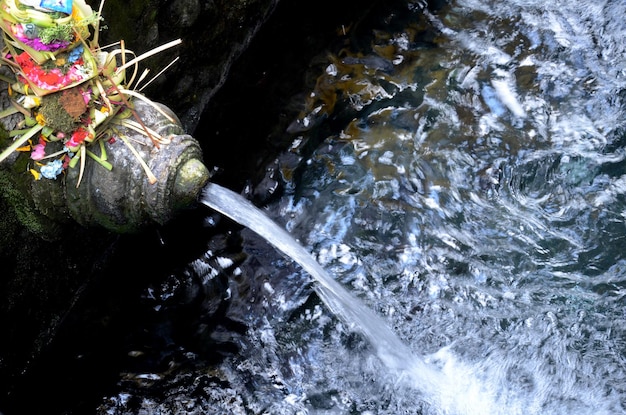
213	33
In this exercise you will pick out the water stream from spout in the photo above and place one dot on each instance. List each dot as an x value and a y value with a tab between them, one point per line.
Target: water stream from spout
458	395
390	348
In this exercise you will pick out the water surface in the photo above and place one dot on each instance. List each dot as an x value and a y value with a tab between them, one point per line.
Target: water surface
461	173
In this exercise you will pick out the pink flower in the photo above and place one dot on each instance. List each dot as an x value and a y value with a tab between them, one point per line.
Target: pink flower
38	152
86	96
51	79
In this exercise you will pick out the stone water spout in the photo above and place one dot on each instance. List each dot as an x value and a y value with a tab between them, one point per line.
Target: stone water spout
121	200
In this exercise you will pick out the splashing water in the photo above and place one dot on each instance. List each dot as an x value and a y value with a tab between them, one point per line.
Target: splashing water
452	391
478	188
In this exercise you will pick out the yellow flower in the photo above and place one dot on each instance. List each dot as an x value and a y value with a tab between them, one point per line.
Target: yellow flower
40	119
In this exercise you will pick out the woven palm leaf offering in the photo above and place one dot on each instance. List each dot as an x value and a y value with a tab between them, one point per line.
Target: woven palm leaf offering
68	88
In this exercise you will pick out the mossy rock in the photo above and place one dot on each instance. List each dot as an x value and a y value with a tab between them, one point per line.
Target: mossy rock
19	206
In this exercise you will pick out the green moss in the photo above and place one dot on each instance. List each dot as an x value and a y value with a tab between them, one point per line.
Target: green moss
56	117
15	189
16	195
9	227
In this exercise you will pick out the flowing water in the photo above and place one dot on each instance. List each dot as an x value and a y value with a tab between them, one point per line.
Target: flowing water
395	354
397	357
460	170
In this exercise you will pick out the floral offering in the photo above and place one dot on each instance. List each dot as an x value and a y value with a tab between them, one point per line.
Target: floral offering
69	89
65	71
